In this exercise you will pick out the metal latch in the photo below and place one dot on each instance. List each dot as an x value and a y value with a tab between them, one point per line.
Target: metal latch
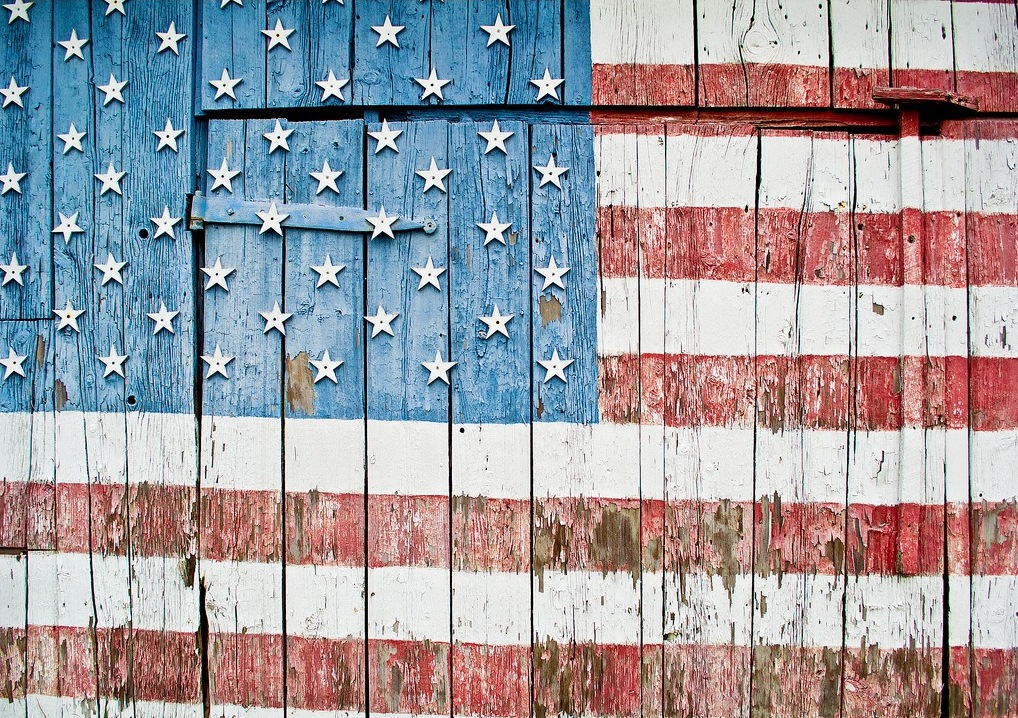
224	210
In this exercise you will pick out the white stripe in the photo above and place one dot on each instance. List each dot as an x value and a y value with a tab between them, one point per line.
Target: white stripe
79	707
491	460
325	601
921	37
708	463
13	590
491	608
994	461
325	455
91	447
27	451
575	460
408	603
859	38
994	604
243	597
794	33
986	37
241	452
992	183
994	322
404	454
162	449
709	171
894	612
943	176
641	31
587	607
229	710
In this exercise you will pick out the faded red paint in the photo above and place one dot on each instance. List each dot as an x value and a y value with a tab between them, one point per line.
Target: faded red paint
643	84
764	85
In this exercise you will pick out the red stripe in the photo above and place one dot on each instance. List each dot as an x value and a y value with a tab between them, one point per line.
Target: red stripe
760	85
979	129
578	678
491	680
27	515
925	79
490	534
853	87
643	84
325	674
408	677
246	669
408	530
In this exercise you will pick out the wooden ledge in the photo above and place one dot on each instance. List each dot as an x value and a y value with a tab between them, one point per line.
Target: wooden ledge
918	97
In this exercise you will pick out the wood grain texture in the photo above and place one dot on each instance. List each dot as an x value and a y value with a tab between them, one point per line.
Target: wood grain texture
860	50
385	75
922	44
232	40
13	631
321	41
986	53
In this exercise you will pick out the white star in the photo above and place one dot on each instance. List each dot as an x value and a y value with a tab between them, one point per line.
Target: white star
112	90
217	275
382	223
167	136
67	226
552	274
327	178
223	4
554	367
494	229
439	369
387	32
498	32
18	10
496	323
433	177
13	364
223	177
429	274
551	172
381	322
164	224
271	220
111	270
113	362
546	86
385	137
11	180
496	138
12	271
68	316
13	93
327	272
117	5
275	319
163	319
432	85
110	180
217	362
170	38
72	139
225	84
332	87
278	35
277	138
326	368
73	45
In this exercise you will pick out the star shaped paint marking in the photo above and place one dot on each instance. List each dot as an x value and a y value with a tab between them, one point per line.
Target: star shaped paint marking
328	272
326	367
381	322
278	35
217	275
116	6
432	85
496	138
496	323
170	38
73	46
110	180
551	172
385	137
429	274
67	226
552	274
113	363
163	319
18	10
224	3
68	317
499	32
12	271
277	138
332	87
217	363
72	139
13	364
554	367
494	231
433	177
387	32
164	224
113	90
111	270
382	223
326	178
167	136
223	177
439	369
11	180
546	86
275	319
225	84
13	93
271	220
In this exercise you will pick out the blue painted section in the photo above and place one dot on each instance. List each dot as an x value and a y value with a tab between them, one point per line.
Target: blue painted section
491	383
577	65
551	114
327	317
397	383
562	225
321	40
34	391
385	75
232	39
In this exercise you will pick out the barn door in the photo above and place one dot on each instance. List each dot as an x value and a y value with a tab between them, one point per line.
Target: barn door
367	432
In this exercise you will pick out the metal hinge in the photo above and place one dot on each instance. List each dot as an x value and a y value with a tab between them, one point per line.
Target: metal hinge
224	210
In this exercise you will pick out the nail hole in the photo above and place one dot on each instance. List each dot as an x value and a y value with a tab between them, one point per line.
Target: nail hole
132	400
462	430
143	233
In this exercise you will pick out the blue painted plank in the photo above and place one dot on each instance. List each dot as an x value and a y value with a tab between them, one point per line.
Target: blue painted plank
562	225
385	75
326	317
492	380
576	62
24	143
322	40
232	39
33	392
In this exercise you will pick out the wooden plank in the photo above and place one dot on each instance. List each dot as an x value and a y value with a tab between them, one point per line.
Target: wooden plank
922	44
490	424
770	54
321	40
576	52
241	437
13	632
325	502
385	75
408	585
232	40
986	53
860	50
23	221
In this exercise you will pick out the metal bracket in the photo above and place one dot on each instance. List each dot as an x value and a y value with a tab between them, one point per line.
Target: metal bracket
224	210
